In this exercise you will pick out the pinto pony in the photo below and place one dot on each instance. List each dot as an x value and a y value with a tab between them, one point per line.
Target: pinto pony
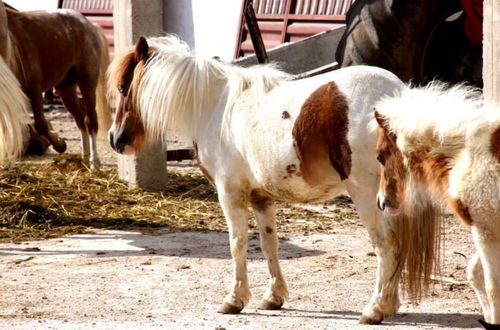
448	140
13	104
61	49
261	136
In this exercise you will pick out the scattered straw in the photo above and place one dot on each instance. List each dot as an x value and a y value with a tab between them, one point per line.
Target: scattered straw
63	197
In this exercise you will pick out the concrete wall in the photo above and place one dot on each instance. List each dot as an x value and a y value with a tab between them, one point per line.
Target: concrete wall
208	26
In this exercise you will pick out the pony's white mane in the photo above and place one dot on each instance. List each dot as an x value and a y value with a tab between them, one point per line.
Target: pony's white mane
13	115
437	114
179	89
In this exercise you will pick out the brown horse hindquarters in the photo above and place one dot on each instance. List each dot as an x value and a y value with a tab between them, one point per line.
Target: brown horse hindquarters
59	49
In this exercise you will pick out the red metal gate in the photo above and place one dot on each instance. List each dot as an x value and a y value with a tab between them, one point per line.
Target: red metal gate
291	20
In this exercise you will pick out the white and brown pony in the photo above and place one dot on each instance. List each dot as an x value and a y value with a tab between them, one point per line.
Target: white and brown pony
13	105
448	140
62	50
260	136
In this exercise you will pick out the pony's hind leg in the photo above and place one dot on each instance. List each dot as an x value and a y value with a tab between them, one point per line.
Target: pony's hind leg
234	203
41	124
475	276
87	84
277	291
69	97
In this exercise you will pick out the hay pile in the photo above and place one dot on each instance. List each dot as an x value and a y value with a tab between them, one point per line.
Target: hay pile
62	197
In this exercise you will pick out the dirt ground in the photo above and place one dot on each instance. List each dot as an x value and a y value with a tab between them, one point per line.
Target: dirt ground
123	279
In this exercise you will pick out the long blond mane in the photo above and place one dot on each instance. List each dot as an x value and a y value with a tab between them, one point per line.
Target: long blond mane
176	88
13	115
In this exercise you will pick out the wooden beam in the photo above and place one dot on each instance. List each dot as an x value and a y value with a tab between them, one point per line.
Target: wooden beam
491	51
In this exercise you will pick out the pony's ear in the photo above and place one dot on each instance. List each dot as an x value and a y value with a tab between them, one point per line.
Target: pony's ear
381	120
141	50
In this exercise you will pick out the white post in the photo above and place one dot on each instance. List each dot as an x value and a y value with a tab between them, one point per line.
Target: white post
491	50
133	18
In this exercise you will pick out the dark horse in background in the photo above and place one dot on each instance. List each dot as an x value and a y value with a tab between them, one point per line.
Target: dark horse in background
418	40
62	50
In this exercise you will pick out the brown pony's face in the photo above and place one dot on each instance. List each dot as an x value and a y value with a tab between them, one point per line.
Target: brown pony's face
392	170
127	135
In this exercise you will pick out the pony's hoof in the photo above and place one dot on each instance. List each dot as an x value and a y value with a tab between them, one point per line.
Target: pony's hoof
95	165
489	326
271	304
227	308
370	320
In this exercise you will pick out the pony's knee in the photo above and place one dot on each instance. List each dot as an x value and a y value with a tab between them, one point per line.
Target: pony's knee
238	245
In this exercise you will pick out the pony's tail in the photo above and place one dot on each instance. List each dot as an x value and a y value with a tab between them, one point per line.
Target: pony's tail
14	116
103	108
419	230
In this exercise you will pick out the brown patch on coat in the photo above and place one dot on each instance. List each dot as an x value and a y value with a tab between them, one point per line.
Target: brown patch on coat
320	135
269	230
495	144
433	170
285	115
461	210
200	165
260	200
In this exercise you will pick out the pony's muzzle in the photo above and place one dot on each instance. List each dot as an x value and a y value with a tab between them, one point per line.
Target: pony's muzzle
385	205
118	141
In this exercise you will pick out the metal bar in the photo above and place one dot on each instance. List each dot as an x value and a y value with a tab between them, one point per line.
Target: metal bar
253	29
180	154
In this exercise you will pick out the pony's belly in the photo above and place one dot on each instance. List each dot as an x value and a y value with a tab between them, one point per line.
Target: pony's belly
295	189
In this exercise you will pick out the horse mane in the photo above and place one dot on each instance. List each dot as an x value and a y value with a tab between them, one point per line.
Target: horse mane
14	118
437	115
176	87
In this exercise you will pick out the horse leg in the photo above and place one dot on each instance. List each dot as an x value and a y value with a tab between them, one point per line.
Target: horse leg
41	124
234	204
487	240
87	104
475	276
277	291
385	299
69	97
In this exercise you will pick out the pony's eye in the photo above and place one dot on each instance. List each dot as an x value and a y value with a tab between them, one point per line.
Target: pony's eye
381	159
121	89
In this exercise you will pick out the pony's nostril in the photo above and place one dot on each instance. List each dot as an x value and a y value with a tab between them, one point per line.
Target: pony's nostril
379	204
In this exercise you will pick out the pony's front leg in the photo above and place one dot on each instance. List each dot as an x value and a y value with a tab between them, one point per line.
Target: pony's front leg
475	276
234	204
385	299
95	163
277	291
487	240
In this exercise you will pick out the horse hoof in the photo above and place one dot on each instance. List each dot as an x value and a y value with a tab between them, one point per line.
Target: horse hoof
271	304
60	146
370	320
227	308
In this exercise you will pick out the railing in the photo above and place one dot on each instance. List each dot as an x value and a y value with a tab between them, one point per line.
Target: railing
283	21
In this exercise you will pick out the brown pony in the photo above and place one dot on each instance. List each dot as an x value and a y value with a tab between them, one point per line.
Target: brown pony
448	141
61	49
